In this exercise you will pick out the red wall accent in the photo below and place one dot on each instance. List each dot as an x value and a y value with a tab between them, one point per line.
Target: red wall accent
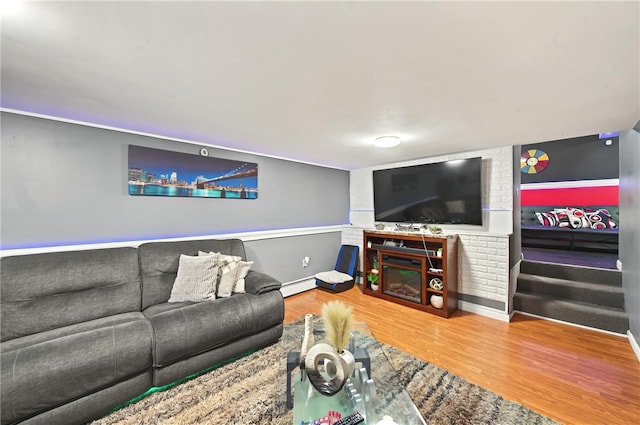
571	197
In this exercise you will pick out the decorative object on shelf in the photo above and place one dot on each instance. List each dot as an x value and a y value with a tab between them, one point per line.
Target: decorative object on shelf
329	365
373	277
435	229
380	226
404	227
436	283
439	252
436	300
533	161
373	280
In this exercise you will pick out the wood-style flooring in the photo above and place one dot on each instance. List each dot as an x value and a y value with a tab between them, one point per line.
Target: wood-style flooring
571	374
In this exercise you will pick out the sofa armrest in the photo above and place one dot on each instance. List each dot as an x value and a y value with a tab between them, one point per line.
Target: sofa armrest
258	283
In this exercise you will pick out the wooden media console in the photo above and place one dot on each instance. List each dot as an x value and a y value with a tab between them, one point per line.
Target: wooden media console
413	269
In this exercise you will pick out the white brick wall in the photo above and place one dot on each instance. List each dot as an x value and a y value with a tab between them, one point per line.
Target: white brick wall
352	235
483	252
483	266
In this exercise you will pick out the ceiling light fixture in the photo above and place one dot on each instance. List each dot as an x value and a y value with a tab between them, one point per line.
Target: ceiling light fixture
387	141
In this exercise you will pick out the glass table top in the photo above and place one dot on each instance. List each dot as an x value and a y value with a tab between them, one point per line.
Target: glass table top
386	397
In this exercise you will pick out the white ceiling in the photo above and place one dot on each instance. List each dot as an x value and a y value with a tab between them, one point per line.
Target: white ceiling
318	81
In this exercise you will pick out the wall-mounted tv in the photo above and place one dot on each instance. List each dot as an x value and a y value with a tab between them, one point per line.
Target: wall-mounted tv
442	192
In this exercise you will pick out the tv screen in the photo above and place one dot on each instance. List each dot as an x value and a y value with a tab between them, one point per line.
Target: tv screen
443	192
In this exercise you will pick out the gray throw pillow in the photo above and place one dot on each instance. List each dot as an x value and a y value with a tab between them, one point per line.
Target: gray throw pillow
196	280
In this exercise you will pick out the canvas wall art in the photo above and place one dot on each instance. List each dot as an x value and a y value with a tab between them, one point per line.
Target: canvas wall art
156	172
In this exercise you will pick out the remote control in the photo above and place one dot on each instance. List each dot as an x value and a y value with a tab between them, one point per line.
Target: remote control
352	419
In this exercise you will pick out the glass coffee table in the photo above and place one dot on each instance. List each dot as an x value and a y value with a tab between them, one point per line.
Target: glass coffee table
386	397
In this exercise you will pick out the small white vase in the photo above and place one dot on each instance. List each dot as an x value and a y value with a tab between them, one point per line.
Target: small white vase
436	301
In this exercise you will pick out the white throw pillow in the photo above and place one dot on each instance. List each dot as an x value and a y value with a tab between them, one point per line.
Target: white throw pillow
239	287
224	259
196	279
333	276
232	273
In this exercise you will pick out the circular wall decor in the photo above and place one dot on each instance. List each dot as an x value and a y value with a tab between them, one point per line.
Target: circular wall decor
436	283
533	161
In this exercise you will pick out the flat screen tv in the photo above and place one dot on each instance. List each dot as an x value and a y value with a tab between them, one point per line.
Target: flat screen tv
443	193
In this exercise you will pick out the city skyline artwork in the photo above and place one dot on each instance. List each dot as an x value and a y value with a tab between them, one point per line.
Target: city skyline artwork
157	172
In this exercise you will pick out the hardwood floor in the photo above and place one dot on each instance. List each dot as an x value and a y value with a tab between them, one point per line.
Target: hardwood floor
573	375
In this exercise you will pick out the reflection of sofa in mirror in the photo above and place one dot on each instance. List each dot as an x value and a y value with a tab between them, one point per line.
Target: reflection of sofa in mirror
591	228
85	331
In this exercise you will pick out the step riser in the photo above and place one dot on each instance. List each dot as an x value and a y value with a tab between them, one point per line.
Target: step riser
604	296
571	314
573	273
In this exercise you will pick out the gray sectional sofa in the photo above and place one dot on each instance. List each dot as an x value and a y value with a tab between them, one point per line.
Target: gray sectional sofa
85	331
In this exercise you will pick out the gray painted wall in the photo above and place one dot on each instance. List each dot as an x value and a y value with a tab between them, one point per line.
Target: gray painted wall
66	184
282	257
579	158
629	227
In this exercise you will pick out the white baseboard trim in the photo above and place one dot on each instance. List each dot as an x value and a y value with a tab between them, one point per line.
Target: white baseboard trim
244	236
484	311
634	344
569	323
298	286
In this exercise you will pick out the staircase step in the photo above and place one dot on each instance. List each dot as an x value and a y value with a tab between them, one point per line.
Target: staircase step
593	293
586	314
571	272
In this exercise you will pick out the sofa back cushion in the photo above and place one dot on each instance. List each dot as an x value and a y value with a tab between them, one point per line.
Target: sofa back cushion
159	263
41	292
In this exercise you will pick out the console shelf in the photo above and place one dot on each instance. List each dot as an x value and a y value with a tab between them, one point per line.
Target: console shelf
412	268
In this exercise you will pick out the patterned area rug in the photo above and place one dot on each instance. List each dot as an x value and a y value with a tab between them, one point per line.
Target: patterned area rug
251	390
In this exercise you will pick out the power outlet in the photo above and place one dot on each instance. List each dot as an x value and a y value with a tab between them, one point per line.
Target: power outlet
305	262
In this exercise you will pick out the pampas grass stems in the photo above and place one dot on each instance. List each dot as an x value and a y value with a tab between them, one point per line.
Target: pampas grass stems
338	321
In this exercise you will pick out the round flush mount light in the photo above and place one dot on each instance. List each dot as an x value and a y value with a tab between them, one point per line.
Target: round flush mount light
387	141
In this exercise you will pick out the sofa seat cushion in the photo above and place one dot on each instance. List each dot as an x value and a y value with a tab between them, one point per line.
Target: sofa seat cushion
40	372
190	329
